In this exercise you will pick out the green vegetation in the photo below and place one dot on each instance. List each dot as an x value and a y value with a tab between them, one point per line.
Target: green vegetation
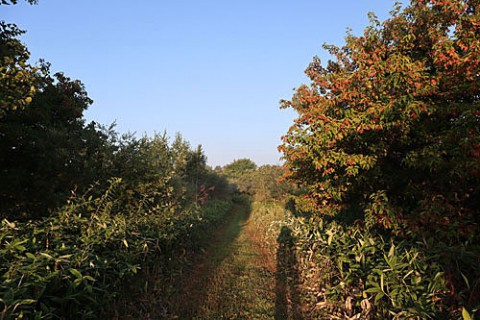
387	147
83	208
242	284
235	276
70	265
380	219
17	77
261	183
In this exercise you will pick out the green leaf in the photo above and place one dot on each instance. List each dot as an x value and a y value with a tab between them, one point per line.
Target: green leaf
330	237
379	296
30	255
382	281
76	273
89	278
46	255
77	282
27	301
373	290
391	252
9	224
466	315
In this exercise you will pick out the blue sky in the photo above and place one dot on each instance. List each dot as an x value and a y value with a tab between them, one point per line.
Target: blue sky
212	70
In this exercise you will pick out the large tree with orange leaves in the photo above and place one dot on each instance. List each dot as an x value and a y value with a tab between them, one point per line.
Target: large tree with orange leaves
388	131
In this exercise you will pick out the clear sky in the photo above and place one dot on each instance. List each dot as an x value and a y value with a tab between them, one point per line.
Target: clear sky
213	70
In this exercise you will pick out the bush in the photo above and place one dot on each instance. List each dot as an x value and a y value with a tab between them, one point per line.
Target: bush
69	265
352	271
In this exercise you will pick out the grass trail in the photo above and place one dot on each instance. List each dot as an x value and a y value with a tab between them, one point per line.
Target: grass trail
242	286
246	272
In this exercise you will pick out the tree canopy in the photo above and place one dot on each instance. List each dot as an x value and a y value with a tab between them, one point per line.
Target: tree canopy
43	148
17	76
388	131
18	79
239	167
9	2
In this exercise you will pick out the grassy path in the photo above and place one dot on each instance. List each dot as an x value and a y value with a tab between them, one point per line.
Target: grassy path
246	272
241	285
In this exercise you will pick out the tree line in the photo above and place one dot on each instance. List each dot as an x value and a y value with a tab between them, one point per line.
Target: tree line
84	208
48	150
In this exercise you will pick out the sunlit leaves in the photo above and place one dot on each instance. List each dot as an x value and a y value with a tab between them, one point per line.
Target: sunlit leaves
18	79
392	114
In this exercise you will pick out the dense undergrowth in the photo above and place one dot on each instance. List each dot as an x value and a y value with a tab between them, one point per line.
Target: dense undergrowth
386	147
83	207
350	272
71	264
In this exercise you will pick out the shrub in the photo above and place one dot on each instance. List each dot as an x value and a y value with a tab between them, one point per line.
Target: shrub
69	265
349	270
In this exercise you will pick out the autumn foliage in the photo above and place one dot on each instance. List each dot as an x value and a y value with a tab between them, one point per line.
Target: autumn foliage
387	148
388	131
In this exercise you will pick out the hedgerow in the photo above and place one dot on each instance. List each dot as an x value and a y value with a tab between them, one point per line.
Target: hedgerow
71	264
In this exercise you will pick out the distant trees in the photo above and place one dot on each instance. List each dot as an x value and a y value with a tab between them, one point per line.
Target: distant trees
389	131
268	183
48	153
260	182
239	167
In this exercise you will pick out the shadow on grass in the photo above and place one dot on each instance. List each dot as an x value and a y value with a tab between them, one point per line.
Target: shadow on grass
194	286
175	284
287	302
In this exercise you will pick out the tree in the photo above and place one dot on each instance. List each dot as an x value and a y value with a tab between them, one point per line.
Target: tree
196	168
18	79
44	148
239	167
9	2
268	184
180	149
260	182
389	131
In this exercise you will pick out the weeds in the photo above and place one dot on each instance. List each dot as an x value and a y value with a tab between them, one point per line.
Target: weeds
353	273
